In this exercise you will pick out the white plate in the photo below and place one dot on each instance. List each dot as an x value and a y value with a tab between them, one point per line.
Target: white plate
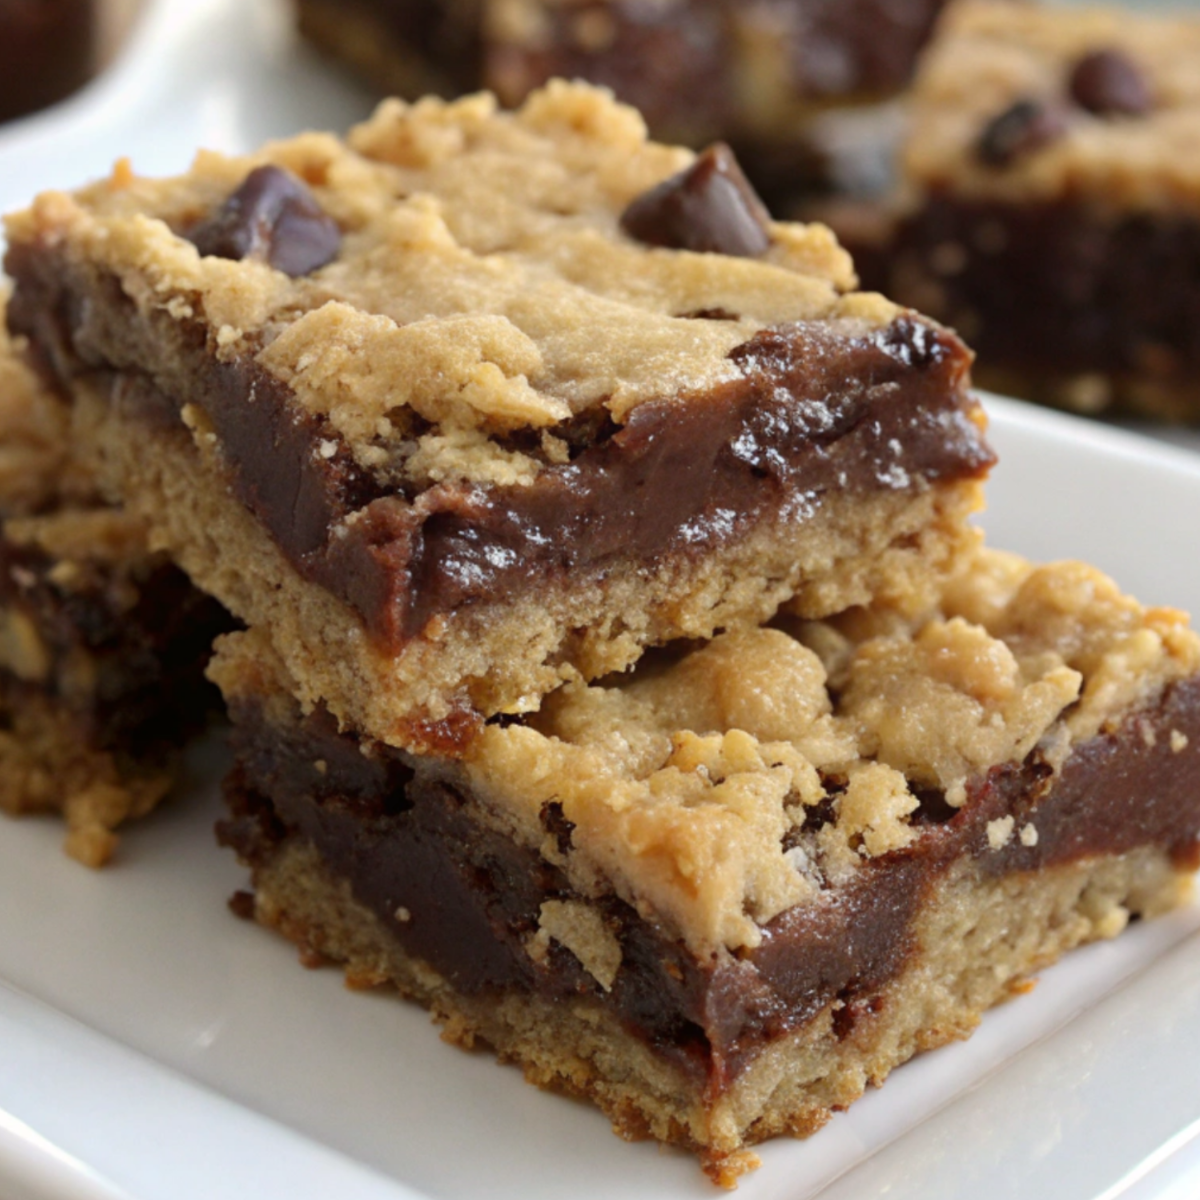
152	1046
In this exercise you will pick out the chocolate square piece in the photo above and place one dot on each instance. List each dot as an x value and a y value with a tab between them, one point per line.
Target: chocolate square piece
723	893
425	409
1052	210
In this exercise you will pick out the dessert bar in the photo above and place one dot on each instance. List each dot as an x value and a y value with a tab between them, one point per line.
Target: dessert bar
764	75
1053	202
474	403
722	894
102	644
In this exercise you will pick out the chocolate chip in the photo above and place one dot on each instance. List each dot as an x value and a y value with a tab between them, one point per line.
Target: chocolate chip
556	824
272	217
1020	129
1107	83
912	343
710	206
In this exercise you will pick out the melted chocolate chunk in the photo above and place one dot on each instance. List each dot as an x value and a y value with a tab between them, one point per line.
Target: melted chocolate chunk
555	823
710	206
913	343
1020	129
1108	83
272	217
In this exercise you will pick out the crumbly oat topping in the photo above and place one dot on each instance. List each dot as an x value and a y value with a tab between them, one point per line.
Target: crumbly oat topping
717	790
990	57
483	285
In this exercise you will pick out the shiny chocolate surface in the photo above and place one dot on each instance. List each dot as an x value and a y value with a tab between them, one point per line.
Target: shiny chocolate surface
817	408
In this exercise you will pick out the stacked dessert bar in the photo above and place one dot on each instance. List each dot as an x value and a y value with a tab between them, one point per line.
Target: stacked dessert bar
769	76
621	676
1051	206
420	405
697	69
103	644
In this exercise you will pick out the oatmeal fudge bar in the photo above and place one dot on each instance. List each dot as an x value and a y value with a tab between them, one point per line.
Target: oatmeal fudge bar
474	403
773	77
102	644
723	893
1053	214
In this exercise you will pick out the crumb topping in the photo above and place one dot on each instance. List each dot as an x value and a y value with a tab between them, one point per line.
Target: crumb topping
1110	102
719	789
483	285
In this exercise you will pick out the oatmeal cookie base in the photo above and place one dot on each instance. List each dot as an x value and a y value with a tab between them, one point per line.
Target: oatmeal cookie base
977	941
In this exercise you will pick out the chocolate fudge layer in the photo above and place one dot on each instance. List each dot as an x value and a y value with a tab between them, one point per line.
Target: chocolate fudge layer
723	893
476	402
102	643
1053	211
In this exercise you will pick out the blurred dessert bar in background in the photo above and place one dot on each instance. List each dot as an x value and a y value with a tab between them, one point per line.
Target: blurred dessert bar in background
774	78
1049	207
